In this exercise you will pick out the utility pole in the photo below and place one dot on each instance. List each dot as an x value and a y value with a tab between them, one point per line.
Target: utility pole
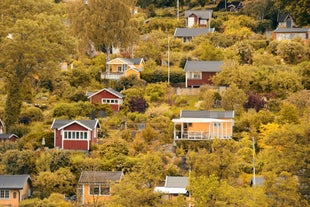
253	149
168	60
178	9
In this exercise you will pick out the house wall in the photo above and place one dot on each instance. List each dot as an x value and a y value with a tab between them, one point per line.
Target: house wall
132	72
206	79
105	94
288	36
20	195
75	144
89	199
225	129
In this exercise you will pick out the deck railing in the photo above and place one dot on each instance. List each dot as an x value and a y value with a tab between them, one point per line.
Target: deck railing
199	135
112	76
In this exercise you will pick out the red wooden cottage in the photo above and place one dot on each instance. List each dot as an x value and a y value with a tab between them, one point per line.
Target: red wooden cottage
8	137
75	134
107	96
199	73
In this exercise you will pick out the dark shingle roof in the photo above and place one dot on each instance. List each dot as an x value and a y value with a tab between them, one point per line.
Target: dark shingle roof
87	123
13	181
176	182
282	17
100	176
191	32
7	136
203	66
207	114
204	14
292	30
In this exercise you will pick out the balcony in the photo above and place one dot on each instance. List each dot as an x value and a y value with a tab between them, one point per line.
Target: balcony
199	135
112	76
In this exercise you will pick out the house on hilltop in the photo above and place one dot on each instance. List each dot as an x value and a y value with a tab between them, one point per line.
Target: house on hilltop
203	125
285	21
199	73
123	67
199	18
75	134
107	96
97	185
14	188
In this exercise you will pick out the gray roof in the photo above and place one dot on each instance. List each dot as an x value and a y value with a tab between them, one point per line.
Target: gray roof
292	30
259	181
13	181
282	17
110	90
207	114
192	32
203	14
203	66
176	182
87	123
100	176
7	136
134	61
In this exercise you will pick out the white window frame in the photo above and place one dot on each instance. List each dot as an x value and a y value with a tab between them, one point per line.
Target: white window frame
100	188
110	101
203	22
75	135
196	75
4	194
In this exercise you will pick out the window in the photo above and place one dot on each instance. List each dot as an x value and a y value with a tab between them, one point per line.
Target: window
103	189
195	75
14	195
109	101
4	194
94	190
77	135
203	21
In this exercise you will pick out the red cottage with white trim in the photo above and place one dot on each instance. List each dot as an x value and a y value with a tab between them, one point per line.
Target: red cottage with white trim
75	134
107	96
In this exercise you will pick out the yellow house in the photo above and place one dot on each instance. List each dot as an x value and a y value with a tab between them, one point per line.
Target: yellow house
120	67
13	189
204	125
95	186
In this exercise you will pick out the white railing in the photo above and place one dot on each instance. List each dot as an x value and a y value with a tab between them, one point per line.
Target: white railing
199	135
112	76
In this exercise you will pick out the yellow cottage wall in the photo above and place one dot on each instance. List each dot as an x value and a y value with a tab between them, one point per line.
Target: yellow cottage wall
89	199
20	195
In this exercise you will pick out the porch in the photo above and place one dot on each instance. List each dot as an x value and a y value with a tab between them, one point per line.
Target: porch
112	76
202	129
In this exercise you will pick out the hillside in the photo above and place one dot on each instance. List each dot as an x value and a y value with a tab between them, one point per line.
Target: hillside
58	57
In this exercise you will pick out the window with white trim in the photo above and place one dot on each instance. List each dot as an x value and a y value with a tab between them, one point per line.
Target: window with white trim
4	194
195	75
99	190
109	101
75	135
